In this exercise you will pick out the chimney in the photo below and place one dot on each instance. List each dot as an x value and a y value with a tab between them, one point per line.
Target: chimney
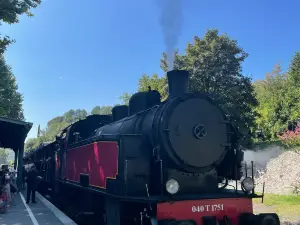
177	82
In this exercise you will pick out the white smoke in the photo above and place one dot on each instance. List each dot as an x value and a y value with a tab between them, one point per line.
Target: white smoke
171	18
261	157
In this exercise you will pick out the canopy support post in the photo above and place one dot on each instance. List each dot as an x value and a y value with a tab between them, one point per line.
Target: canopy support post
20	167
16	158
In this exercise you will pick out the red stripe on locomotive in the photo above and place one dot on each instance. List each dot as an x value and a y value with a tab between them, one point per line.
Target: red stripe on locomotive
197	209
99	160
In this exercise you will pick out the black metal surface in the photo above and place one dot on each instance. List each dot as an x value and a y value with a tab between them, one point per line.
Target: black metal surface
141	101
172	127
119	112
195	114
188	133
86	128
209	220
186	138
84	180
158	198
13	133
177	82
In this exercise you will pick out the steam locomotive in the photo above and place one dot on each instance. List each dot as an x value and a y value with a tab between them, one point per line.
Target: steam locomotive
153	162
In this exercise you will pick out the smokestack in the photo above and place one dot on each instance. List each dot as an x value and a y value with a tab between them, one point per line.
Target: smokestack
177	82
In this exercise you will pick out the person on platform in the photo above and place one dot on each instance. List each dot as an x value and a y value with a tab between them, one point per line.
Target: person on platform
32	183
14	175
7	180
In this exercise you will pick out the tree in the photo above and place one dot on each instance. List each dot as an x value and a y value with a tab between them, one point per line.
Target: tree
39	131
74	115
55	127
293	91
30	144
104	110
215	67
294	70
3	154
273	111
10	99
96	110
155	83
4	42
10	10
125	98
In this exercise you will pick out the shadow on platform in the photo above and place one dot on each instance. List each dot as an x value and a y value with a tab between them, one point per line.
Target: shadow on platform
21	213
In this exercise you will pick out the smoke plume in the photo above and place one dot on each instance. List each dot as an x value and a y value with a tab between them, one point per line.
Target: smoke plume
171	18
261	157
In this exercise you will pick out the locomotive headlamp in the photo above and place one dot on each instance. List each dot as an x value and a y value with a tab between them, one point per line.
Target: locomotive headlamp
248	184
172	186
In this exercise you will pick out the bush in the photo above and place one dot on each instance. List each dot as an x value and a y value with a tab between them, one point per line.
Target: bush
291	138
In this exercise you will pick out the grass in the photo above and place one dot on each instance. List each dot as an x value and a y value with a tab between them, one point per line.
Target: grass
287	206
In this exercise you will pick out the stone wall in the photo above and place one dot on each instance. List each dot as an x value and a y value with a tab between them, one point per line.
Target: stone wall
277	167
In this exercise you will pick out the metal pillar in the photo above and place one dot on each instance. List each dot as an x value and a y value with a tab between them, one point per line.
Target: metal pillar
20	166
16	158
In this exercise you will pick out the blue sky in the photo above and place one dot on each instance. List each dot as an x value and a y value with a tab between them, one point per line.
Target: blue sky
78	54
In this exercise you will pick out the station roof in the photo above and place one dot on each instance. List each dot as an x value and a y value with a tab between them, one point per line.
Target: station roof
13	132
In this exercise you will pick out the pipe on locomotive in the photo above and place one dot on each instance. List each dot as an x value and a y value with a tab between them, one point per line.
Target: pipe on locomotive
177	82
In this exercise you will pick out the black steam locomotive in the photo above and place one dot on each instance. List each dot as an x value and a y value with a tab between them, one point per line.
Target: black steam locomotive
153	162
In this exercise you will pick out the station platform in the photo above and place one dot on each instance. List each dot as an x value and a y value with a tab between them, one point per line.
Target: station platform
41	213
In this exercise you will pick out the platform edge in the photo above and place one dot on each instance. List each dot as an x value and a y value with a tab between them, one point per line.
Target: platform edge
59	214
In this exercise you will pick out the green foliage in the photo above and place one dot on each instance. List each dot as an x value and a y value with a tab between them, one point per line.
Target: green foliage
54	128
294	70
214	63
104	110
273	110
125	98
57	124
293	90
4	43
31	143
279	101
3	154
155	83
10	10
10	98
287	206
74	115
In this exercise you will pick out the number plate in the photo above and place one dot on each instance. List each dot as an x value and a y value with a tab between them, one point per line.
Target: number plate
207	208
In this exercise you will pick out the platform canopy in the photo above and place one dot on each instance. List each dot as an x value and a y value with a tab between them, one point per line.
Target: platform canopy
13	133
